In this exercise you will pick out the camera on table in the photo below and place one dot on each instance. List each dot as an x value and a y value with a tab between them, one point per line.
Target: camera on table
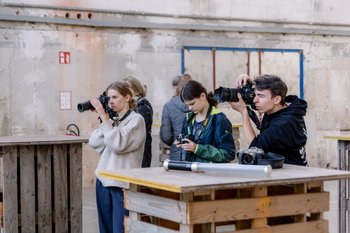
103	100
250	156
256	156
186	155
223	94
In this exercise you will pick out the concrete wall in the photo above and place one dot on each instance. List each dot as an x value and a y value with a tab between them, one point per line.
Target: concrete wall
108	41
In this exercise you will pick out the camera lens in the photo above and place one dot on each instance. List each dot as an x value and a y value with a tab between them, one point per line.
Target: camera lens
84	106
248	159
223	94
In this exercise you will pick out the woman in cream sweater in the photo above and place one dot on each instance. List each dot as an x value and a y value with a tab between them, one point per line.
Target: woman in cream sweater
120	143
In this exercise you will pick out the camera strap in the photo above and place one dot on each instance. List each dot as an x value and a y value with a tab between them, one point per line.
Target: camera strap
117	121
275	160
254	117
197	130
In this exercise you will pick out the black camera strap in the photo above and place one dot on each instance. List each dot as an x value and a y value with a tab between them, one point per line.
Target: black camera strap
117	121
275	160
254	117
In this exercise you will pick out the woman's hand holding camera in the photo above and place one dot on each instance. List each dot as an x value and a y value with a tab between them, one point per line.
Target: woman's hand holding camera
99	109
186	144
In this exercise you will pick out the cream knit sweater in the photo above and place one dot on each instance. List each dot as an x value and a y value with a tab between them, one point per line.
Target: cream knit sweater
120	147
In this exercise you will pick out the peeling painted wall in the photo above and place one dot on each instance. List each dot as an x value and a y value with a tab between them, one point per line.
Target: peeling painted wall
110	46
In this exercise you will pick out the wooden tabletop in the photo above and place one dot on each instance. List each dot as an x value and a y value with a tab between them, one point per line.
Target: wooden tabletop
185	181
41	140
339	137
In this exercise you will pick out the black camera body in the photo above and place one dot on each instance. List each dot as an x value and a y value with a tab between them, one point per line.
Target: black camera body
186	155
104	101
223	94
180	138
256	156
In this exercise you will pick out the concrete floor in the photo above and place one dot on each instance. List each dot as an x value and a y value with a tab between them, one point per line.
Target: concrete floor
90	222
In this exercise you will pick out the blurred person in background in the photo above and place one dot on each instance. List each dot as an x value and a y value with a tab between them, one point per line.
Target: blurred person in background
144	107
173	114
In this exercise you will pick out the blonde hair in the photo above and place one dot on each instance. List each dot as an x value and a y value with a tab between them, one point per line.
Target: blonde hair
124	89
182	82
138	88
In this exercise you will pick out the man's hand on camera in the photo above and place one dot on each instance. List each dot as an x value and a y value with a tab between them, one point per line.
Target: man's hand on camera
239	106
242	80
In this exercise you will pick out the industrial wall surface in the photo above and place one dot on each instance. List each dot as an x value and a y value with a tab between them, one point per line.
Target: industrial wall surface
55	55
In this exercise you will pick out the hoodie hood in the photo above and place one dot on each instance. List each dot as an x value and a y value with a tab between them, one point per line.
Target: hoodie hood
296	106
179	104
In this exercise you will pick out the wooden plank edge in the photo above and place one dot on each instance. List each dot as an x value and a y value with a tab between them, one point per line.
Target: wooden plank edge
139	181
135	226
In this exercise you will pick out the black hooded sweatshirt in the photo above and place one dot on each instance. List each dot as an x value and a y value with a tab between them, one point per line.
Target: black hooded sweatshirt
284	132
144	107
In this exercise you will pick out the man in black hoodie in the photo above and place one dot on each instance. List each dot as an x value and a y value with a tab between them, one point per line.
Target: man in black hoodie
282	128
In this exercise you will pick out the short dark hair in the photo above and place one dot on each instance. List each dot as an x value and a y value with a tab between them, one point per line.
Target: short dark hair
273	83
193	89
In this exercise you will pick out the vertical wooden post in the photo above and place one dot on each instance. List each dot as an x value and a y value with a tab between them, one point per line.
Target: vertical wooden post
60	188
27	188
44	197
260	192
186	228
75	195
10	197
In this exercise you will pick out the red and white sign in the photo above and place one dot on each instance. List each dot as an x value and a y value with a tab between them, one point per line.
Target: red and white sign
64	57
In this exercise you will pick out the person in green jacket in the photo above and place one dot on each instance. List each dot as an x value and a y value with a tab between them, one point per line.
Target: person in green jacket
206	133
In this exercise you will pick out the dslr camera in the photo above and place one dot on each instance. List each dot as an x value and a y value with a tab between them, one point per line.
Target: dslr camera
223	94
104	101
180	138
186	155
250	156
256	156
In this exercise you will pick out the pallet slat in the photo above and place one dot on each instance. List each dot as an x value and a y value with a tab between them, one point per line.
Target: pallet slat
156	206
10	190
75	188
27	188
253	208
60	188
319	226
135	226
44	168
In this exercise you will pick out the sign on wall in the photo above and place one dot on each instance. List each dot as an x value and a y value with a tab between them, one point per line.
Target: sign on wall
65	100
64	57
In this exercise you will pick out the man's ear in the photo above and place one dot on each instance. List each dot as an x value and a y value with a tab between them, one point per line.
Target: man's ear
277	99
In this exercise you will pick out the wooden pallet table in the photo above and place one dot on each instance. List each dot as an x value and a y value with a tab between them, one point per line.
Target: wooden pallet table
41	183
291	200
344	185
